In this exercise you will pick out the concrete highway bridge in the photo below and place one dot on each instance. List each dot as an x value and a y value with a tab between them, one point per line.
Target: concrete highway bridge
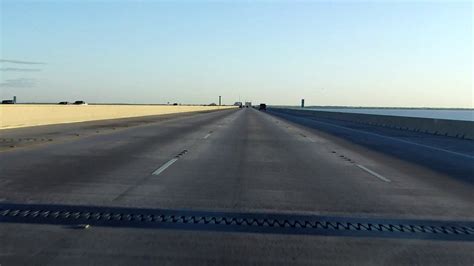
235	186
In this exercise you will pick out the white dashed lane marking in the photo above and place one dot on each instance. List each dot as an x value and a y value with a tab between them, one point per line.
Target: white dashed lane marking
379	176
165	166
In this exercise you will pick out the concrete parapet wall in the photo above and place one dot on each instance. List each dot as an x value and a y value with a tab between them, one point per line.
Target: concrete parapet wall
444	127
24	115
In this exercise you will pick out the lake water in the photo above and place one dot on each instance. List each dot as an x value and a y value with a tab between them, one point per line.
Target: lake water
451	114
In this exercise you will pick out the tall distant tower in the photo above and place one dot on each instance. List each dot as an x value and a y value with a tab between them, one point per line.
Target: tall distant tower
14	99
302	103
220	97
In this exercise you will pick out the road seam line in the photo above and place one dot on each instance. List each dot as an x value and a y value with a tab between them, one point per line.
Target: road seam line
373	173
164	166
207	136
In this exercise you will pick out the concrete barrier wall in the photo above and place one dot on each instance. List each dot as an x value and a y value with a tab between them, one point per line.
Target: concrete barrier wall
452	128
24	115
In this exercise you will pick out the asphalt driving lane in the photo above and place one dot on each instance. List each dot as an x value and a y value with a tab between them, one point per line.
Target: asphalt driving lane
241	161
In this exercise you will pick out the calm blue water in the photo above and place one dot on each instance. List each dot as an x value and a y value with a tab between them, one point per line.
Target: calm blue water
465	115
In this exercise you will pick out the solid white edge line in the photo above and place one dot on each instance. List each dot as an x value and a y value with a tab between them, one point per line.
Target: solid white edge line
373	173
392	138
164	166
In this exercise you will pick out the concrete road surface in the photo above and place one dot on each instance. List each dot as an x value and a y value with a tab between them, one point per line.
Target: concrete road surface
235	163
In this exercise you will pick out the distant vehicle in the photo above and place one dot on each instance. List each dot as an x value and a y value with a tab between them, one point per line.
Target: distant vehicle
248	104
63	103
8	102
239	104
212	104
175	103
80	103
262	107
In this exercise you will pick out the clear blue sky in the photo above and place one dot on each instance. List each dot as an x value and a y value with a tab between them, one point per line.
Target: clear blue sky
330	53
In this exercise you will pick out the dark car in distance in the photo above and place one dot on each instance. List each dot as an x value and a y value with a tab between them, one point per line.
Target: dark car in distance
262	107
8	102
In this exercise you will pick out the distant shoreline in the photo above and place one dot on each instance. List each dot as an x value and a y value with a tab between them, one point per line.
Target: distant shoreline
139	104
288	106
362	107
